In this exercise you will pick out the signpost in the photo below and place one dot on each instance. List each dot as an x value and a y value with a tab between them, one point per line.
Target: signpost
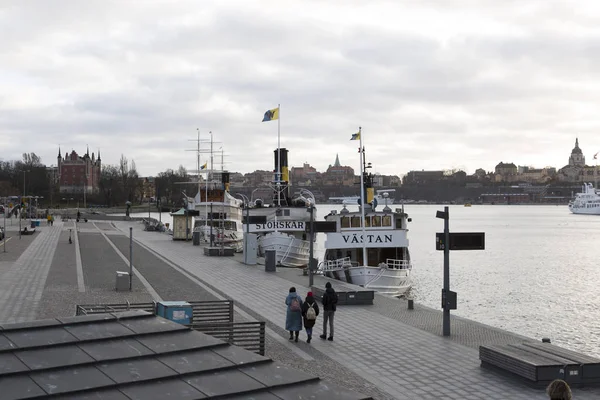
312	228
447	241
130	257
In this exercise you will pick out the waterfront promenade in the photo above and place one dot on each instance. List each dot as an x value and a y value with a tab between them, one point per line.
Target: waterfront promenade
382	350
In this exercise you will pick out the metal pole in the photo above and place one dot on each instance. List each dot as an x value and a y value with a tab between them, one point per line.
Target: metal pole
211	225
446	322
20	215
311	248
5	211
130	256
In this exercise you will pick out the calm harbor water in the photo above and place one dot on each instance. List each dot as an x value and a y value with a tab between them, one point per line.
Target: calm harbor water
539	275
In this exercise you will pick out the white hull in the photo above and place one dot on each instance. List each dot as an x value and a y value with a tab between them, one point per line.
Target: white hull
587	202
393	282
289	250
588	211
230	238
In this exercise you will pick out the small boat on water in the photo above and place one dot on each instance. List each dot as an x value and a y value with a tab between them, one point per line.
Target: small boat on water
369	246
587	201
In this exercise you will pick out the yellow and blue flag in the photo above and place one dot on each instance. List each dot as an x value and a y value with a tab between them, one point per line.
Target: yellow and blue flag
204	166
355	136
271	115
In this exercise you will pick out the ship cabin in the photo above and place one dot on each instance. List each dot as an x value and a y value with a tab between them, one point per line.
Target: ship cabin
385	239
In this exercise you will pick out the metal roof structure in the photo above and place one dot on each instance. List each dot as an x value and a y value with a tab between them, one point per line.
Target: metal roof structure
137	355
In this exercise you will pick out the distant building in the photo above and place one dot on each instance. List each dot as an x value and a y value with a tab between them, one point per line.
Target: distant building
338	174
577	159
505	169
422	177
303	176
78	174
576	170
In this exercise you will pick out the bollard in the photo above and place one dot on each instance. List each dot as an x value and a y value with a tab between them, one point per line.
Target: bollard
411	305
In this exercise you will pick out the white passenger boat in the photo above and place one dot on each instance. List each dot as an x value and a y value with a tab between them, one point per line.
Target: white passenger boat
369	246
218	214
286	219
586	202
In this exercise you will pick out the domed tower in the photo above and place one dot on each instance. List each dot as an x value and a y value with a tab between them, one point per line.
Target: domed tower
577	159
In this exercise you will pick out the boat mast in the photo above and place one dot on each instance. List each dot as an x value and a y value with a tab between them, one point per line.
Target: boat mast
361	150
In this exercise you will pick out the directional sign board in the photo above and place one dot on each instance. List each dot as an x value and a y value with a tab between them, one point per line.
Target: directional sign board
255	219
461	241
322	226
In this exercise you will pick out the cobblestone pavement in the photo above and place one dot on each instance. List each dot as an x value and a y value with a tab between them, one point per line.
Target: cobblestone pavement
99	264
171	284
22	281
466	332
404	361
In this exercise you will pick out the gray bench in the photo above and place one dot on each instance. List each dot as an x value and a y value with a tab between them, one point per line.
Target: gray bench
541	363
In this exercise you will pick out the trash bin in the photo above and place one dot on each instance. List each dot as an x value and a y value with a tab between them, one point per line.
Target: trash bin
33	224
122	282
270	261
196	238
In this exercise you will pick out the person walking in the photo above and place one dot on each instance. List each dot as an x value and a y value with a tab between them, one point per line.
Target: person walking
330	299
310	311
293	317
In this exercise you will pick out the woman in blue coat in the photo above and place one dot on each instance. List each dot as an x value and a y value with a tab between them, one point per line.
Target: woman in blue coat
293	317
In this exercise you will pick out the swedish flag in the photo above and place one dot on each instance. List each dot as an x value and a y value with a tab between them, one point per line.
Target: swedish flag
204	166
271	115
355	136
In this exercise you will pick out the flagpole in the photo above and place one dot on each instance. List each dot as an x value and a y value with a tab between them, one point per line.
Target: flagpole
278	184
361	150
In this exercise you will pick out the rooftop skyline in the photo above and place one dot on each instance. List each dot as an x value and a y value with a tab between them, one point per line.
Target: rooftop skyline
437	85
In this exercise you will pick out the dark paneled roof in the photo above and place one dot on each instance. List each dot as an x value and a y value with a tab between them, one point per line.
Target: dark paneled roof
136	355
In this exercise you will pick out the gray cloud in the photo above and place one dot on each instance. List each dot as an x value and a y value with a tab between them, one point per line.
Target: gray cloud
434	84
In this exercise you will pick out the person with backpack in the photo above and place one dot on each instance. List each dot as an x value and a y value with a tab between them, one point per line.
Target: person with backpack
293	317
330	299
310	310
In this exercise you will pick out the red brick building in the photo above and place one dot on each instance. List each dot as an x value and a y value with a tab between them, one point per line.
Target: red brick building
77	174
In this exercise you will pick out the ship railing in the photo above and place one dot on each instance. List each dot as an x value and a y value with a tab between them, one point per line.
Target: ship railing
340	263
397	264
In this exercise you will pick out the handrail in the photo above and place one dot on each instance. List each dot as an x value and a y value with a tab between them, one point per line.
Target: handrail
248	335
397	264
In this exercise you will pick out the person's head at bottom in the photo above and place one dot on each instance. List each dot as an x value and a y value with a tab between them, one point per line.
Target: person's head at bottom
559	390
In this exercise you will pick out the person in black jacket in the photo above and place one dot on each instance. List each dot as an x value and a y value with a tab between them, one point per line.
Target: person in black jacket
309	303
330	299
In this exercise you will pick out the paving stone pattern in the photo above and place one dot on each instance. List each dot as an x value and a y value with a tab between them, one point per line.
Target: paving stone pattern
466	332
173	285
22	284
404	361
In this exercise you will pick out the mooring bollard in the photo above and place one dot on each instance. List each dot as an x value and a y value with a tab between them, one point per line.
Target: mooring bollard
411	305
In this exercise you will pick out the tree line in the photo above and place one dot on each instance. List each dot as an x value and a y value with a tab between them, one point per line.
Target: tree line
117	184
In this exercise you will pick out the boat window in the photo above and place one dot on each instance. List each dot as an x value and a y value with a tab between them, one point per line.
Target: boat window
345	222
356	222
286	213
377	220
367	221
387	220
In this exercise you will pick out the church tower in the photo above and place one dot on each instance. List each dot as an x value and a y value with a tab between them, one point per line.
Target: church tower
577	159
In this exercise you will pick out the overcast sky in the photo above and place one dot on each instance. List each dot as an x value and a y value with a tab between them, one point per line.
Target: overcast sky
434	84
